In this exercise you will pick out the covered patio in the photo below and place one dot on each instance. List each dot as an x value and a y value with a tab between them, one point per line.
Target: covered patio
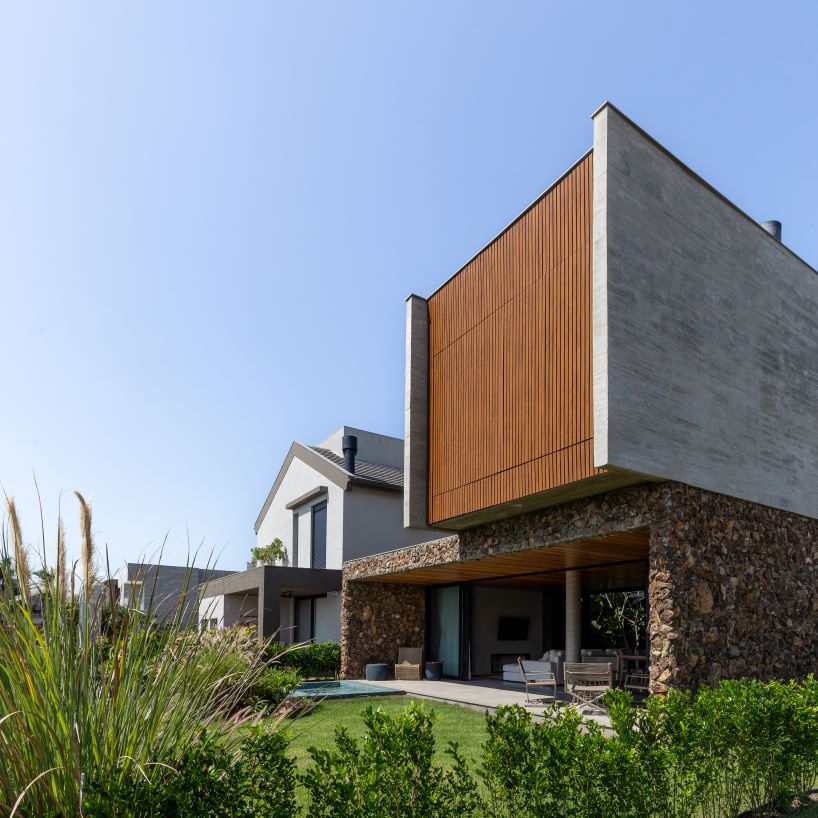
485	696
477	616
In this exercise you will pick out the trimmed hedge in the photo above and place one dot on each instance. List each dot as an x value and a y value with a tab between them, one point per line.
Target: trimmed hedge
317	660
744	745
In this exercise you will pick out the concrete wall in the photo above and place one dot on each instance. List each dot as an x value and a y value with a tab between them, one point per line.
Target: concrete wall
162	588
372	447
488	605
278	521
416	409
705	333
373	523
287	627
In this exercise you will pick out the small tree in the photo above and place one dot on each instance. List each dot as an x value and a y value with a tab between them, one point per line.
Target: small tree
268	554
620	618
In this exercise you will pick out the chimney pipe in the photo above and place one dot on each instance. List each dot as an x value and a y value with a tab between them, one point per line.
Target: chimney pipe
349	445
773	228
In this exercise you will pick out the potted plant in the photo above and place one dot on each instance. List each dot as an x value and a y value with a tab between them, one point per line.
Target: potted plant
433	670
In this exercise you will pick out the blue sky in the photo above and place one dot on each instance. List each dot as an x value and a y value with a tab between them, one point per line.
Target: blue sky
211	213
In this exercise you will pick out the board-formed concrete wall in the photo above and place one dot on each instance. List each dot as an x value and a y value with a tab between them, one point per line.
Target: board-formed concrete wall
705	333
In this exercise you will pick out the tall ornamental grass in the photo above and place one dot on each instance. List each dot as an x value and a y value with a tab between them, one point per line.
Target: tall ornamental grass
92	695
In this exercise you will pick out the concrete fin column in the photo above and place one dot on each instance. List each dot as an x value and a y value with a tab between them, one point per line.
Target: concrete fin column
573	616
416	431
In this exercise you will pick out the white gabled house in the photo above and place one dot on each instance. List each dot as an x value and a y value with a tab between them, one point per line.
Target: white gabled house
335	501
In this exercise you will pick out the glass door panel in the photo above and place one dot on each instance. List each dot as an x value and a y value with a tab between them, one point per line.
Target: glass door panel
445	628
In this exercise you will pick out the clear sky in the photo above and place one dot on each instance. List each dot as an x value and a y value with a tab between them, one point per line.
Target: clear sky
211	213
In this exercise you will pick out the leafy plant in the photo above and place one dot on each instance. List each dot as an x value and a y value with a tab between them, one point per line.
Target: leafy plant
391	772
619	619
318	660
269	554
257	780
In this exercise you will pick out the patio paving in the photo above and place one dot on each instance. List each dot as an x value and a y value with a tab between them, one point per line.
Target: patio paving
484	695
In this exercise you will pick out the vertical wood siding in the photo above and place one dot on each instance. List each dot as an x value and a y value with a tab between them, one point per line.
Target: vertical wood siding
510	409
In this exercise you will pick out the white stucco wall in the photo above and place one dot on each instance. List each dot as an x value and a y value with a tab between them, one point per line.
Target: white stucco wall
212	607
328	618
705	333
360	521
278	521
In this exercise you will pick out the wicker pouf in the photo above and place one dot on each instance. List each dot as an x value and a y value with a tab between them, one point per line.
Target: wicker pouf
377	673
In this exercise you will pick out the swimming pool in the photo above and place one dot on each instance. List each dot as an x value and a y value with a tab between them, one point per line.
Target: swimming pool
343	689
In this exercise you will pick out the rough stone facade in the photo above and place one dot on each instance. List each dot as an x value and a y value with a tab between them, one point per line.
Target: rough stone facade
733	590
376	619
435	552
733	585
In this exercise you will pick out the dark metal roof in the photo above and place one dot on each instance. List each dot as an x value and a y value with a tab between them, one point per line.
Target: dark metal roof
370	472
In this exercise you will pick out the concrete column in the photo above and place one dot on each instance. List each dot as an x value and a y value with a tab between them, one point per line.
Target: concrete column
573	616
416	427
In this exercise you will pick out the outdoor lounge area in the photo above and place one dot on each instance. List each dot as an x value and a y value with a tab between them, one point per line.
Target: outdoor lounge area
487	696
511	619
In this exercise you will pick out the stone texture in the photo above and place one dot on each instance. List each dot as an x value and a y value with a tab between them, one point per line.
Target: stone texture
376	619
732	591
732	584
435	552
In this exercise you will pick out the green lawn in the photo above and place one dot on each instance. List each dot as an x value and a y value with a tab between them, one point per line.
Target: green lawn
317	729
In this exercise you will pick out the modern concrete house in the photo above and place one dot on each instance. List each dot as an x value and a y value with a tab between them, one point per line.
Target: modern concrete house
339	500
161	588
620	391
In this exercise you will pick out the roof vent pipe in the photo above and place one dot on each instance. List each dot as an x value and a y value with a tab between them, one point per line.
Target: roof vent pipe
773	228
349	445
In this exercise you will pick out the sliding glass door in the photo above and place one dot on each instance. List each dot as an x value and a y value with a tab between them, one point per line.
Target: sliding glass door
445	628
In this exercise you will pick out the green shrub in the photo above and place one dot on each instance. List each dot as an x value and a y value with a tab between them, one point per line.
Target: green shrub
317	660
743	745
273	685
390	773
253	780
556	768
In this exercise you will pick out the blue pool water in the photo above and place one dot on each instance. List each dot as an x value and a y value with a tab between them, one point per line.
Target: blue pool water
342	690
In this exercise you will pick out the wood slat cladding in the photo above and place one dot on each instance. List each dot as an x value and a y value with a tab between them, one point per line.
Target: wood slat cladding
510	410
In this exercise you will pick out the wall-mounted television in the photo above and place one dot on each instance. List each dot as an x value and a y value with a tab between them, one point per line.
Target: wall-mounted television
512	629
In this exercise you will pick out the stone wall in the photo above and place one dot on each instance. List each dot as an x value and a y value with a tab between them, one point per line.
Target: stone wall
733	585
376	619
733	590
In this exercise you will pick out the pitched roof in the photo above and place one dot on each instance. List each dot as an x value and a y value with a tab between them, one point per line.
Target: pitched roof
331	465
372	472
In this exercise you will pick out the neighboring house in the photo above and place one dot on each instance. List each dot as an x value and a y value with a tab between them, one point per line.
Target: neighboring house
620	391
160	588
336	501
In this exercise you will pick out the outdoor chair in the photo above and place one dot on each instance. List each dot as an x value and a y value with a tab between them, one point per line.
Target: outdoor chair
544	680
586	683
410	664
634	673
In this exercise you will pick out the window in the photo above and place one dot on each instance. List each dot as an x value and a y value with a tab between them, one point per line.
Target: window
319	535
294	556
